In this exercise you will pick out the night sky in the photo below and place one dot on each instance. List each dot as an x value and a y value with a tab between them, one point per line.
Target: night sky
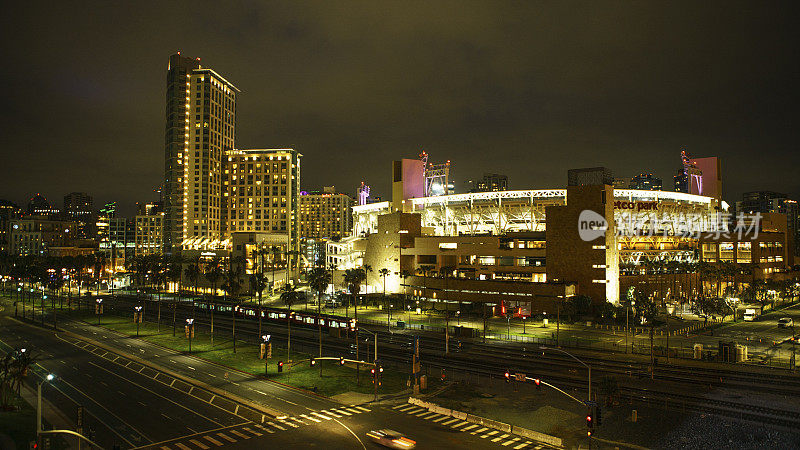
527	89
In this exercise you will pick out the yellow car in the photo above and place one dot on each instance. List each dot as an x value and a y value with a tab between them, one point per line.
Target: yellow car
391	439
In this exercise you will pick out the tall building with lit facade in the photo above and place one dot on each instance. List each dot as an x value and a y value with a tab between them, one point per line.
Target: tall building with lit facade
491	182
78	207
262	187
200	128
773	202
8	212
149	229
325	214
645	182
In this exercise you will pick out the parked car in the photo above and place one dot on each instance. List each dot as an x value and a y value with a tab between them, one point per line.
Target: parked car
391	439
785	322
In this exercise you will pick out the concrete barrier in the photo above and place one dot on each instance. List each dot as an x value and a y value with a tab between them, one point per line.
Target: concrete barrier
440	410
504	427
535	435
459	415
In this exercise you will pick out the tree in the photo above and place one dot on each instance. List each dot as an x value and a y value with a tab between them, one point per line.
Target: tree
175	273
258	282
319	279
213	272
609	387
276	252
232	285
383	273
14	369
289	297
647	308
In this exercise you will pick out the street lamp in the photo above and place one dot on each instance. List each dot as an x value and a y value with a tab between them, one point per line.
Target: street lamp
190	331
46	379
99	310
137	317
576	359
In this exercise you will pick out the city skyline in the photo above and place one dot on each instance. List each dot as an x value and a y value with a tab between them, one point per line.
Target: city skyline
719	93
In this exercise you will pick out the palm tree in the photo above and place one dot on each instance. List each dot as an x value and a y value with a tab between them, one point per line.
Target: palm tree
318	280
258	282
231	286
289	297
276	252
383	273
175	273
192	273
213	272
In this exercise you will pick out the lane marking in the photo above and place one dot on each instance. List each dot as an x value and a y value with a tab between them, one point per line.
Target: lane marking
321	415
241	435
249	430
261	427
363	409
351	432
341	411
507	443
523	445
441	419
226	437
491	433
354	411
273	424
310	418
450	421
213	441
460	424
469	427
501	437
199	444
331	413
479	430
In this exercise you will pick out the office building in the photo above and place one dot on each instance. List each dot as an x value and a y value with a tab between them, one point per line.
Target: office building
490	182
645	182
78	207
773	202
149	234
325	214
8	211
200	128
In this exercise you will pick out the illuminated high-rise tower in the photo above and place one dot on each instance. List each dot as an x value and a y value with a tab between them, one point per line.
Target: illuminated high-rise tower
200	127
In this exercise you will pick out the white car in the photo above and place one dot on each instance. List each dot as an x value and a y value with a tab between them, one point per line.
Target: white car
785	322
391	439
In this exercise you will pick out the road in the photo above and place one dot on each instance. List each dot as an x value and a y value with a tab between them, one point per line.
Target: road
130	405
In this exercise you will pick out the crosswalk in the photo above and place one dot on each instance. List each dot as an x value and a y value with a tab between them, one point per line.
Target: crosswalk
503	439
248	430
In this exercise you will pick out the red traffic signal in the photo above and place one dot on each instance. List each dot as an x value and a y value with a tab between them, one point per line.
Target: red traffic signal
313	361
280	366
341	360
508	376
538	383
589	421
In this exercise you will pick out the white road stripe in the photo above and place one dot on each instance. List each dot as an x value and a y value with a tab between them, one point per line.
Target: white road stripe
469	427
450	421
286	422
400	406
331	413
249	430
199	444
310	418
363	409
439	419
226	437
321	415
404	408
415	410
182	447
523	445
480	430
341	411
354	411
507	443
213	441
241	435
424	412
272	424
264	428
501	437
459	424
491	433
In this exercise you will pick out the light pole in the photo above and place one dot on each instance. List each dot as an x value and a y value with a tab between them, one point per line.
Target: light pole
47	378
576	359
137	318
627	327
268	352
99	309
190	331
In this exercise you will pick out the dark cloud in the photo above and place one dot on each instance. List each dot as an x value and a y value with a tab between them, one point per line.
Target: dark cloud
524	88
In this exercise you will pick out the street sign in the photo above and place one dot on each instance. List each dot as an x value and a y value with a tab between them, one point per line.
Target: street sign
269	350
519	376
416	367
262	351
416	347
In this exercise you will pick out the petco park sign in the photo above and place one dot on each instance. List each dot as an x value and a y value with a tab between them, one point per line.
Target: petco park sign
636	206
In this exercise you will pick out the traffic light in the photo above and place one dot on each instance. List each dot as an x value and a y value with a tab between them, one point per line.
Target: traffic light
508	376
590	421
313	362
280	366
341	360
352	324
538	384
374	376
598	415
